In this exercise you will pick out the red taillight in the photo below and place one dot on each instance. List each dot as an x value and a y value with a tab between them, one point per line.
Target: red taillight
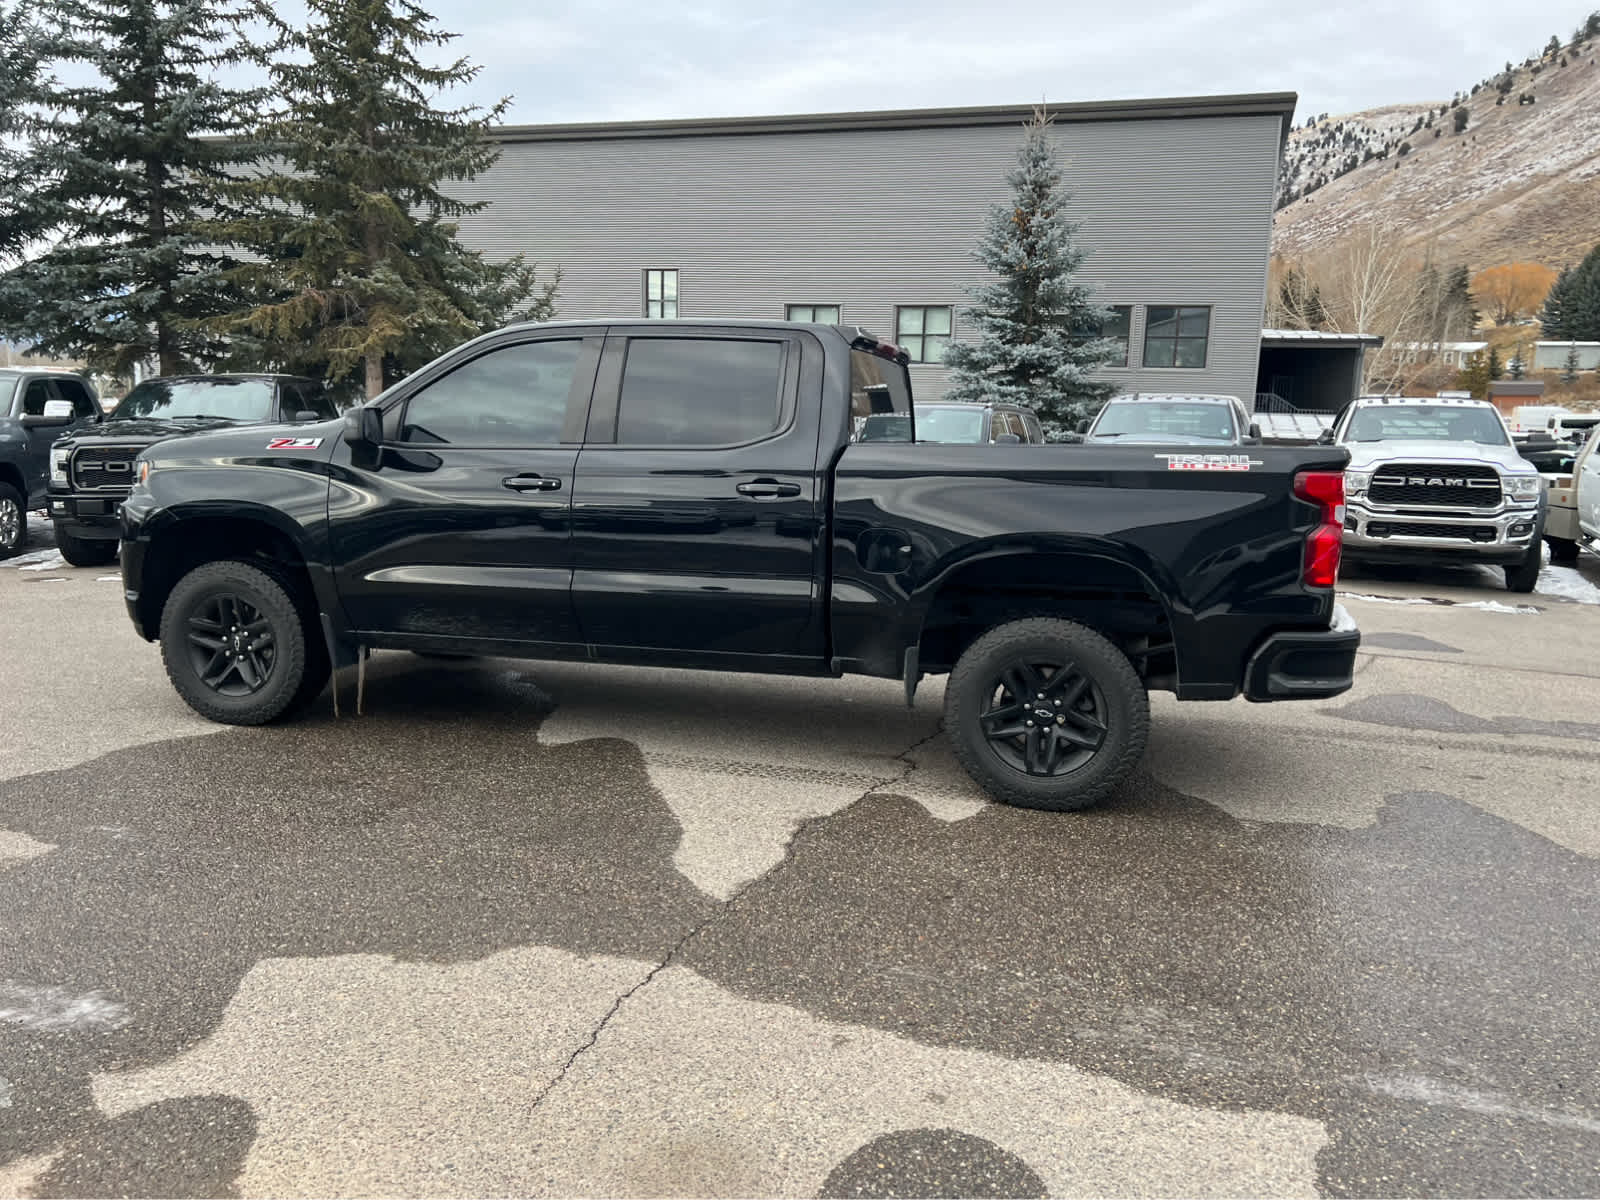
1326	490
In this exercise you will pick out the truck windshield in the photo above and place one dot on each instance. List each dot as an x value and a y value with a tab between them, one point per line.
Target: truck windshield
951	424
177	399
1426	423
1145	418
880	399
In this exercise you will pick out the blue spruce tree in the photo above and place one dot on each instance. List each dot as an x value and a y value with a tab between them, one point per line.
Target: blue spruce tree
1039	330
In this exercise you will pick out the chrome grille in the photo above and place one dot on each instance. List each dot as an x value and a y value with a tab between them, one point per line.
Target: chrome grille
1431	484
104	469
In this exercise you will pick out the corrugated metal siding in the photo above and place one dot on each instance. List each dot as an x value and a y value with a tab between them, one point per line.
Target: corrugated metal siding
1173	212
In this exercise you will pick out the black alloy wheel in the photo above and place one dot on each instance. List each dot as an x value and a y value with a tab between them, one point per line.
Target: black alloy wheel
1044	718
237	645
232	647
1046	713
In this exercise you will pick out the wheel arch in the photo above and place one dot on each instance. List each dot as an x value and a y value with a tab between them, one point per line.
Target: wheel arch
1094	585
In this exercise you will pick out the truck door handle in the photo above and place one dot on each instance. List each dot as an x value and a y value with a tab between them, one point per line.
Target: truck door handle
767	489
531	483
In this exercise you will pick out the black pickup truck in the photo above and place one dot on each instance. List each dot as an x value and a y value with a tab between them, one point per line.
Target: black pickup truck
687	494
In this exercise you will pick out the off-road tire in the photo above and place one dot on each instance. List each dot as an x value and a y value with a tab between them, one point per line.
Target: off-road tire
14	528
299	665
1562	550
1116	698
86	552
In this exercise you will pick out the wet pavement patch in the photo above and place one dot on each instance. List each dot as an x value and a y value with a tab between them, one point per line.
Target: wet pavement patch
1402	710
177	1148
1216	962
933	1163
1406	641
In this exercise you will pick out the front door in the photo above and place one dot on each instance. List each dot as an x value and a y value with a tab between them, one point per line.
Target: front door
461	532
697	515
85	411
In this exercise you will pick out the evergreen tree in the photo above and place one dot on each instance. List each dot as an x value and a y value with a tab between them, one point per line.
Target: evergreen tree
360	266
1514	368
1474	377
1039	330
1493	366
120	167
22	48
1569	370
1571	310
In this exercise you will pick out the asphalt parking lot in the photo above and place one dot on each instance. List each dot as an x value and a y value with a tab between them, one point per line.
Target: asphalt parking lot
557	929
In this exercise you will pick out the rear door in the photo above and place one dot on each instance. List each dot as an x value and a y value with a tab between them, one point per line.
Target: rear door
697	510
462	530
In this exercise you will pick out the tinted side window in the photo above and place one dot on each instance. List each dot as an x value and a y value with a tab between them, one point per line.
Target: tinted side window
513	396
1014	420
1035	430
699	392
83	404
309	398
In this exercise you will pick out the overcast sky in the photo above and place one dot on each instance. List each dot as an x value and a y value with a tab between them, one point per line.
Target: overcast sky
601	60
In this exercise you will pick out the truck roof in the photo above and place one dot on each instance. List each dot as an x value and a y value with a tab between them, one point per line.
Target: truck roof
1417	401
1172	397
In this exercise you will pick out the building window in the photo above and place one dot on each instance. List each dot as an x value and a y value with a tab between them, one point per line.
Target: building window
1115	327
819	314
1176	337
661	294
923	331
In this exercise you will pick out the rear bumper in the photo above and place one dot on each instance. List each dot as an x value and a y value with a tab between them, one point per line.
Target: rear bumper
1310	664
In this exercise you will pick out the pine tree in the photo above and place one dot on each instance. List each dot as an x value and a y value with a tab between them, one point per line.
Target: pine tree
121	166
22	49
1039	331
1569	370
1571	311
1475	376
361	265
1493	365
1514	368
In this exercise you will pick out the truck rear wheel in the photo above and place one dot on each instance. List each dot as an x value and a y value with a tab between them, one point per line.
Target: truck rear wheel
1562	550
236	647
1046	713
86	552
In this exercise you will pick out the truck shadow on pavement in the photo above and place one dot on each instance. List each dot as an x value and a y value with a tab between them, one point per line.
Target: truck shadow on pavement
1425	987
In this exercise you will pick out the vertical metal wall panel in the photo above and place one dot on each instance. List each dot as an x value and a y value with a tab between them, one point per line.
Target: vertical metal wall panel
1173	211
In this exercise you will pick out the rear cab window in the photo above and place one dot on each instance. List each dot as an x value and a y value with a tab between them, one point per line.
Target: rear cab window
880	399
702	391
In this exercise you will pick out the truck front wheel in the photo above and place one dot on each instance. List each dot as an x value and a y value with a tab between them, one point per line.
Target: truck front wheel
1524	576
235	645
85	552
1046	713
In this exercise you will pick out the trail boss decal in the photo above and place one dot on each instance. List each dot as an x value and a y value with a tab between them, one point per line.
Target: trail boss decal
1210	462
294	443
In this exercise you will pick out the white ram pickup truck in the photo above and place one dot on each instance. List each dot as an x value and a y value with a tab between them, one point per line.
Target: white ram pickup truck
1574	516
1439	478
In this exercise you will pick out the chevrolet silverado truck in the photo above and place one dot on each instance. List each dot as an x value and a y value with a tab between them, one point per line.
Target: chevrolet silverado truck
37	405
689	494
1439	479
91	470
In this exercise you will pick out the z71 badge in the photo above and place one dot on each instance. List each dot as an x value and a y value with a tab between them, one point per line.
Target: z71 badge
294	443
1210	462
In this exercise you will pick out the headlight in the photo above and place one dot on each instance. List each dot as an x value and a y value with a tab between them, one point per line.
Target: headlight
1523	487
58	464
1355	484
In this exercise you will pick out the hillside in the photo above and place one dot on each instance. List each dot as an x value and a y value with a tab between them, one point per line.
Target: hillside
1522	182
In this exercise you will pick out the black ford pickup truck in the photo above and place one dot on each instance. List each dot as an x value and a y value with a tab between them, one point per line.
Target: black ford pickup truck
687	494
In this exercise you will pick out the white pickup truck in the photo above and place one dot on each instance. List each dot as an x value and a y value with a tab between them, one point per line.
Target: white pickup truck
1574	515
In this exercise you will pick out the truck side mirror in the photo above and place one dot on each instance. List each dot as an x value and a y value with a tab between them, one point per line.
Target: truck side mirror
56	413
1083	427
363	433
305	415
1255	431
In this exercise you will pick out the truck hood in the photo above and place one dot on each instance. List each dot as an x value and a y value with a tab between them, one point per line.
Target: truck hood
1366	455
243	442
150	429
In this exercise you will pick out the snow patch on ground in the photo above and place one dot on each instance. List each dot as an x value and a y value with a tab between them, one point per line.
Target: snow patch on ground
57	1010
1568	584
46	560
1484	605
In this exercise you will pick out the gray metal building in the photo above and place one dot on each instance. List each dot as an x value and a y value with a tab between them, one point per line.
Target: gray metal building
872	219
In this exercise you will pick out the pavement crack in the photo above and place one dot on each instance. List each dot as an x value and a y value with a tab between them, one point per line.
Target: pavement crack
907	765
